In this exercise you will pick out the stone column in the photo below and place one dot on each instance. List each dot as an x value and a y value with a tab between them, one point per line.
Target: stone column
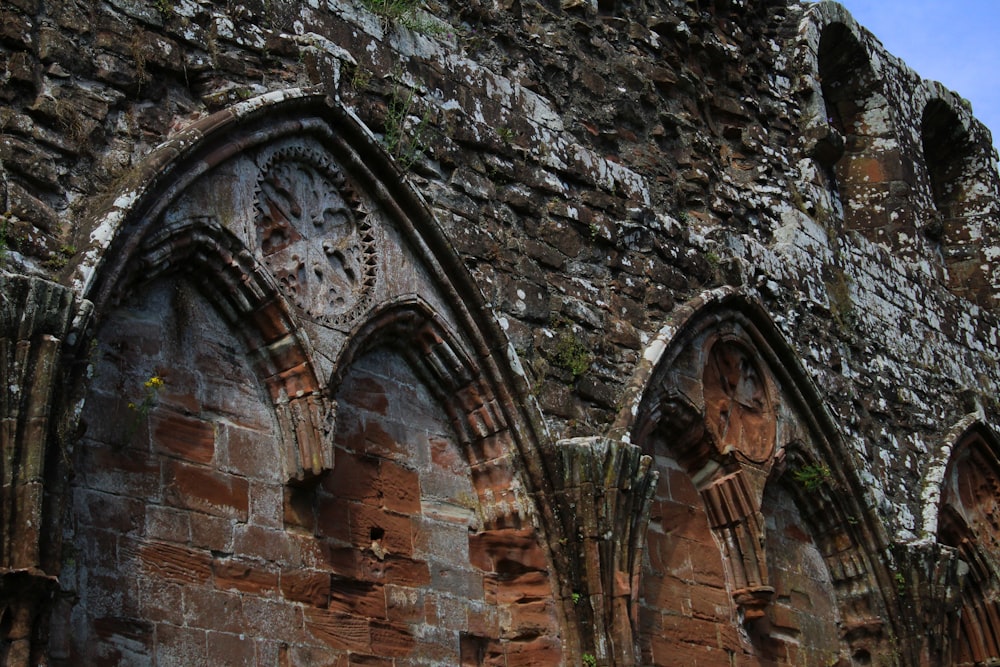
735	517
36	317
604	490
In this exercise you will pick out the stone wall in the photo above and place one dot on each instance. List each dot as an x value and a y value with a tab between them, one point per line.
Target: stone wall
496	332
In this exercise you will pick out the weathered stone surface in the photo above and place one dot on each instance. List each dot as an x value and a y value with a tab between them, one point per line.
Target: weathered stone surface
737	238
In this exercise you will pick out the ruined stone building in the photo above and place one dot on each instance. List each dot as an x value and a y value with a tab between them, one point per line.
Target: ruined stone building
493	332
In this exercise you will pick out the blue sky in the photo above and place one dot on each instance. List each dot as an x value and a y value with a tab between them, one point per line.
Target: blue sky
956	42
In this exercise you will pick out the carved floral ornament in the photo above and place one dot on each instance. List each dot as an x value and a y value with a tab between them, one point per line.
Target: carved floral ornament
738	409
315	235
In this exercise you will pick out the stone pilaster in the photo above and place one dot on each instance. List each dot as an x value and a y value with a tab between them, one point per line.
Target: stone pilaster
36	318
605	490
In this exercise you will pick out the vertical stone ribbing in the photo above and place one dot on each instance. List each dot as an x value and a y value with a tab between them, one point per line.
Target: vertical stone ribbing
35	318
605	489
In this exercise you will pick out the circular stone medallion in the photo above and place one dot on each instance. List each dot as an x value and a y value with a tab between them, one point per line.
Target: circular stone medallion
737	408
314	235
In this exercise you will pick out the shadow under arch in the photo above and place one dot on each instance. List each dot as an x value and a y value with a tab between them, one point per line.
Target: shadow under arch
669	413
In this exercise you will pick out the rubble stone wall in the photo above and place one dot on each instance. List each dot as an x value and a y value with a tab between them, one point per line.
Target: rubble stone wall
494	332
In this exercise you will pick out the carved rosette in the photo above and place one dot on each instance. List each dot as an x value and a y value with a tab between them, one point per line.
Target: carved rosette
738	411
315	236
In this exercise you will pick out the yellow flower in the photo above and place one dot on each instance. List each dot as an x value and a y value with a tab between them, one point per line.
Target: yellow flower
154	382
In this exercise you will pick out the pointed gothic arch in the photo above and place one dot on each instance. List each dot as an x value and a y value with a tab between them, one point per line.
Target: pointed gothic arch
966	523
722	402
285	216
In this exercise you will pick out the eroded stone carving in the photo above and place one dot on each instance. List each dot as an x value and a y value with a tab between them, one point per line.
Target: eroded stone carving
737	408
315	235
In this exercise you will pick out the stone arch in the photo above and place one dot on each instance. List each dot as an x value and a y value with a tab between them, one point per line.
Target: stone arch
962	201
195	218
850	130
463	475
724	477
967	522
225	272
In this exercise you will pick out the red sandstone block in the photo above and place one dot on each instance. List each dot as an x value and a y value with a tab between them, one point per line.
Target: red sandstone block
211	532
116	513
172	562
181	646
531	619
189	438
394	532
338	559
266	504
274	619
127	471
446	455
213	610
360	598
231	649
495	475
251	452
506	589
365	393
167	524
244	576
292	381
355	660
391	639
539	651
339	631
507	551
404	604
333	517
714	604
355	476
400	488
396	569
378	441
679	520
682	489
310	656
162	602
206	490
308	586
266	543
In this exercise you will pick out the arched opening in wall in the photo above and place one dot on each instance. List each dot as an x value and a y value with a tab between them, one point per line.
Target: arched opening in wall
420	519
970	505
873	182
281	240
755	521
959	210
173	531
805	621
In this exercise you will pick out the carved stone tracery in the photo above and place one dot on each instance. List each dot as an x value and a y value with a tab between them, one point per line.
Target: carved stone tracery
737	407
315	236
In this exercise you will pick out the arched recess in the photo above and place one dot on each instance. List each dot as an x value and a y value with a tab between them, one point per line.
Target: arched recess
967	521
962	198
416	414
848	128
731	420
872	179
293	235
